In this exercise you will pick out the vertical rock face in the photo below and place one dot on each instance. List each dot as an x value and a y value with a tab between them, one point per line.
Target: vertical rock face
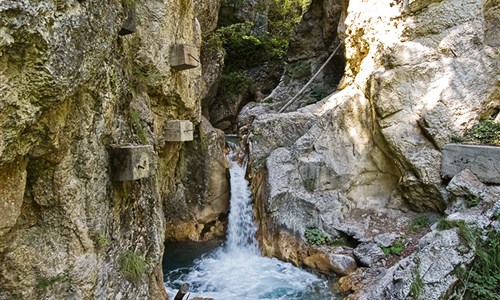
70	89
432	75
201	199
417	73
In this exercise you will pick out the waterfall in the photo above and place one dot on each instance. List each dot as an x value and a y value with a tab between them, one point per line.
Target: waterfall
237	270
241	229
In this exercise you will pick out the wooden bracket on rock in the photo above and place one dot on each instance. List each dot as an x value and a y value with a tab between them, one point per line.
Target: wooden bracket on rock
183	57
178	131
132	162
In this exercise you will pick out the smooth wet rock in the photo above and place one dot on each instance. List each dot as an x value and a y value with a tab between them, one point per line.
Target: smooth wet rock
327	263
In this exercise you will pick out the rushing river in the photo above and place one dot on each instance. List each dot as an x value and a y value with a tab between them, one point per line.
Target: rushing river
235	270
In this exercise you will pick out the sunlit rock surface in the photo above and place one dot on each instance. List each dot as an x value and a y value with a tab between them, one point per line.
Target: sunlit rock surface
417	74
417	78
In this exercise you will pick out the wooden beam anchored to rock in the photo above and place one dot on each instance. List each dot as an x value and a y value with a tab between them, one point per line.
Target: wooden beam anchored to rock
178	131
182	291
183	57
131	162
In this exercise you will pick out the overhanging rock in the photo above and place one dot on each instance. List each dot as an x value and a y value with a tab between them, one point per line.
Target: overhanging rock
483	161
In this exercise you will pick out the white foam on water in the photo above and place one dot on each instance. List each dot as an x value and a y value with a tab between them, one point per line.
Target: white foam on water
237	271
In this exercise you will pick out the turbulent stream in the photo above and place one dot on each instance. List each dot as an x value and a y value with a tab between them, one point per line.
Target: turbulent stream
235	269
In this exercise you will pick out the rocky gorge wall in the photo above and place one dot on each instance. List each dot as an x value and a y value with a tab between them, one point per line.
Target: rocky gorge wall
414	74
71	89
417	73
414	78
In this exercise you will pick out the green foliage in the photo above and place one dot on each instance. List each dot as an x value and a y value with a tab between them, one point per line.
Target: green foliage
132	266
483	279
45	282
102	241
316	94
457	139
284	15
17	297
297	70
496	215
486	131
258	132
419	223
245	50
136	122
268	100
309	184
395	249
472	200
316	237
235	83
417	284
465	231
212	44
444	224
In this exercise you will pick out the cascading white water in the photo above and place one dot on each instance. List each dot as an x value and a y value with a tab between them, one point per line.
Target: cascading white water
237	270
241	229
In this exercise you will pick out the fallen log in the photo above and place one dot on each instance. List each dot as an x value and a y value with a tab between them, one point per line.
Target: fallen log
182	291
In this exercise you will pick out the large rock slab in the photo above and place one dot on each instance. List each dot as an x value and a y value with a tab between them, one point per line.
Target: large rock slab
483	161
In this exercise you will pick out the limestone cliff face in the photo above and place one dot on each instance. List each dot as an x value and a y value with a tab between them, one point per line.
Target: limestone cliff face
71	89
200	203
417	73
